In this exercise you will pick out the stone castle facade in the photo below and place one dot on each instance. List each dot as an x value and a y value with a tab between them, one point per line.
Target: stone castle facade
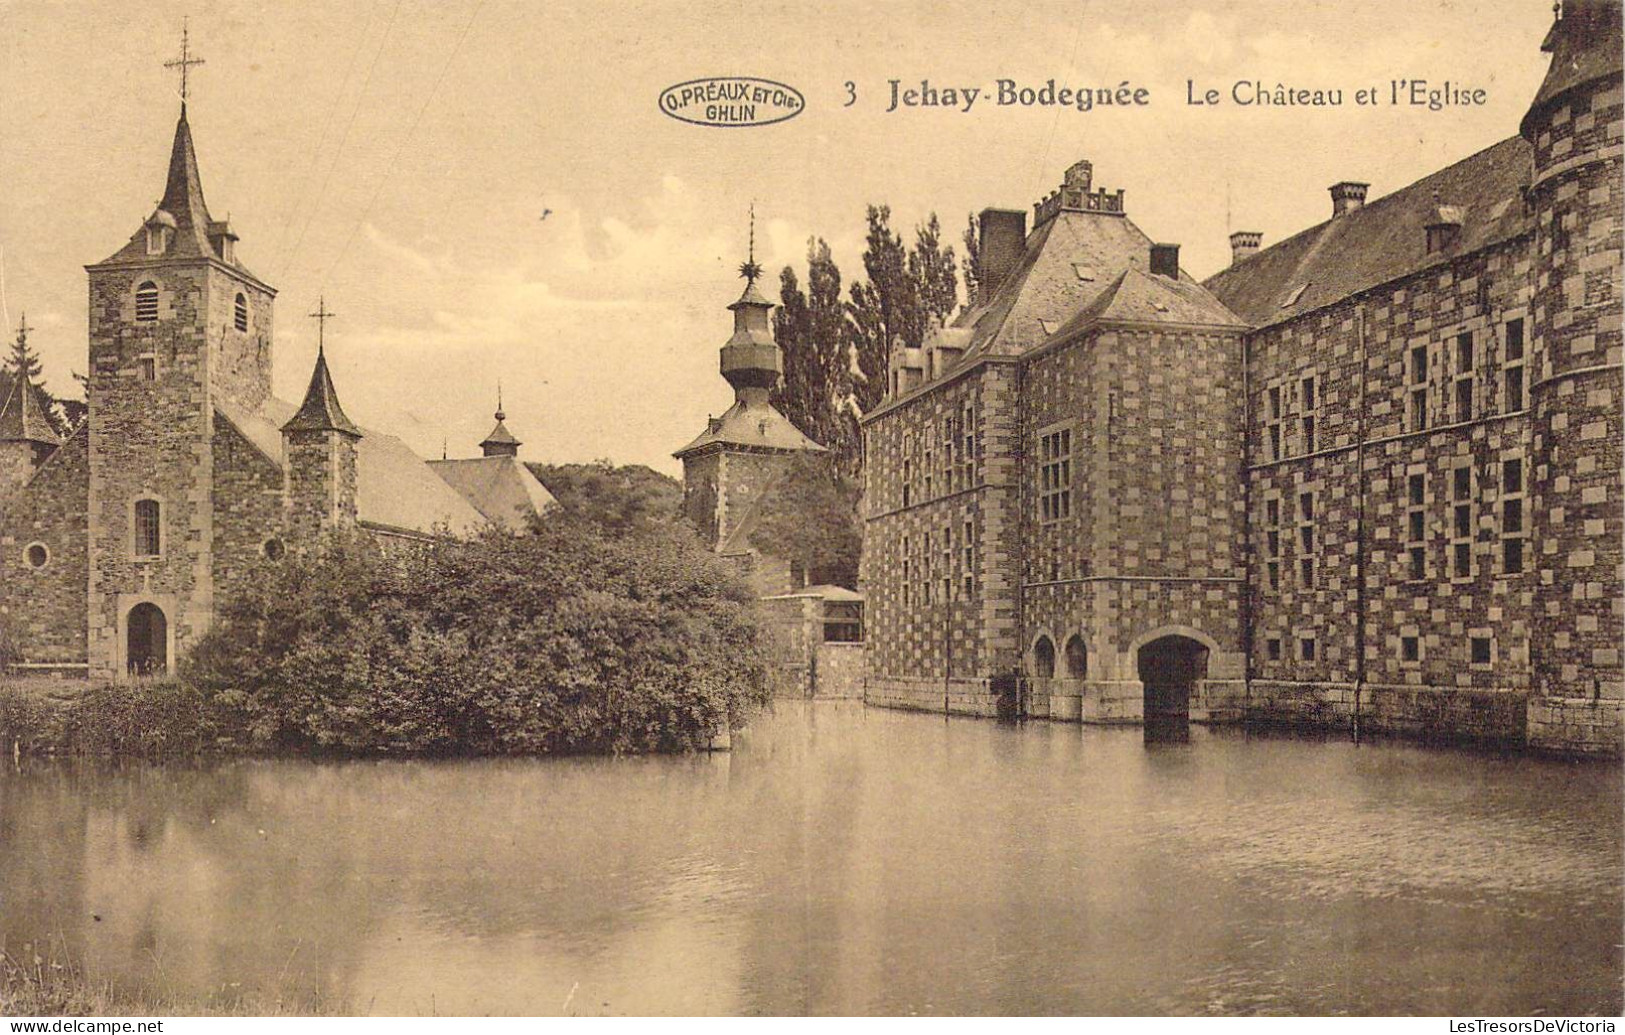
1368	476
187	475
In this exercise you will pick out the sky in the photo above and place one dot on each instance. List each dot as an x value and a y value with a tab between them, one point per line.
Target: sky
485	191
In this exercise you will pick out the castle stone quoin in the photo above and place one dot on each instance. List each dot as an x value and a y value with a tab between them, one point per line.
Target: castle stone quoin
116	545
1368	476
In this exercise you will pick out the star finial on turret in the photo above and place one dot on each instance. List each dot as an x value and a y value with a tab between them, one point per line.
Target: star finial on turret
750	269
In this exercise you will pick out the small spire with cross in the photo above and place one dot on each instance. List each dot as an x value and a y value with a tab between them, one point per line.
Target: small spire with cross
749	269
321	316
185	63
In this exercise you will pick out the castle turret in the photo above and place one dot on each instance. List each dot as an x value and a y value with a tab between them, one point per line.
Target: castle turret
1575	200
500	442
320	445
741	453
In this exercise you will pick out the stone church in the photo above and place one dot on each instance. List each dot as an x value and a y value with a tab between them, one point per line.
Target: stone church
188	475
1369	476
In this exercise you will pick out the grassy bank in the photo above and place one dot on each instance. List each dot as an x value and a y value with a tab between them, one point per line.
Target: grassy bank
37	987
138	720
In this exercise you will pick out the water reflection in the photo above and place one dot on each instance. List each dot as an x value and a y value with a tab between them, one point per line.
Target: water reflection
844	860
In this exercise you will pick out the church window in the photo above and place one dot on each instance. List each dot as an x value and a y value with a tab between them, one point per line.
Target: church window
148	530
147	366
1512	368
239	317
1055	476
146	302
37	555
1044	658
274	549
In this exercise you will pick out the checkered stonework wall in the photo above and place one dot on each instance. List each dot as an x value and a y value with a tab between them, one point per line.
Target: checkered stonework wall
1149	538
1576	499
940	542
1431	375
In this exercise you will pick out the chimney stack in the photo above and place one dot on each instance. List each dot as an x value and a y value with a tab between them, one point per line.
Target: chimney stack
1004	238
1165	260
1347	196
1244	245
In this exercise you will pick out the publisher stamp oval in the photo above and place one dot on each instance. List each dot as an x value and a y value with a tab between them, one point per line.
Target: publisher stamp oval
731	101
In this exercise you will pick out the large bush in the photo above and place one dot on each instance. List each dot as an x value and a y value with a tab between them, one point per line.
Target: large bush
567	639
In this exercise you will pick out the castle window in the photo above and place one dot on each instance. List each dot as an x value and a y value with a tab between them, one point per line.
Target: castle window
148	529
947	563
1410	649
38	555
1461	523
1513	530
927	466
967	453
950	464
1044	658
1416	526
1480	650
1512	368
1416	400
1306	537
1055	476
925	568
908	575
908	478
1306	648
1272	542
968	549
1272	648
1464	377
1310	403
1077	658
239	316
1272	427
146	302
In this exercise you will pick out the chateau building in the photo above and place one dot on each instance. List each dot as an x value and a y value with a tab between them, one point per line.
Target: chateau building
187	474
1370	475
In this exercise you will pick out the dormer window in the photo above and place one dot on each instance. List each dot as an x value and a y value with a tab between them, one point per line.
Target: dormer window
146	303
240	312
157	240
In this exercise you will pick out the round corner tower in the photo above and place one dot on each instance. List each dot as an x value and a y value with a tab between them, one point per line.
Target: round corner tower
1575	202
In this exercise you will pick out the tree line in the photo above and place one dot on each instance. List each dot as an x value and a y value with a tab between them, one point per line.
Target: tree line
837	345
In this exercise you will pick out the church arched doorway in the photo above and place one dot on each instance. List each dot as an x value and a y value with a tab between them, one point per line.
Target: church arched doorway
147	641
1170	667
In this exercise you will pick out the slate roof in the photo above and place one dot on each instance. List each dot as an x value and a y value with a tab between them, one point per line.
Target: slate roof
745	425
183	203
1585	44
501	436
1068	263
395	488
1139	297
825	592
1381	241
501	488
23	413
321	410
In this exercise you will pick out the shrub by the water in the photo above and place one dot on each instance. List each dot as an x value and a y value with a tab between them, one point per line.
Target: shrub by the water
563	640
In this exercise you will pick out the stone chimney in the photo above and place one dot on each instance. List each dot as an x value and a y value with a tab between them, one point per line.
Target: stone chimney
1347	196
1244	245
1004	238
1165	260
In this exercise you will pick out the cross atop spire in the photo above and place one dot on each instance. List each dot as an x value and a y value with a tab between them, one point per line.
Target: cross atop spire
321	316
500	416
185	63
23	328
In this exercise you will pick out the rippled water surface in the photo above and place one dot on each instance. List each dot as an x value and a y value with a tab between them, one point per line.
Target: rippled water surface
843	860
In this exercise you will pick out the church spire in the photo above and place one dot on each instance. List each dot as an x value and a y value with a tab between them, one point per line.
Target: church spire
321	410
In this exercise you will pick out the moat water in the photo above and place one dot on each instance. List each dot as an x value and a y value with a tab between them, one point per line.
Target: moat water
841	860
